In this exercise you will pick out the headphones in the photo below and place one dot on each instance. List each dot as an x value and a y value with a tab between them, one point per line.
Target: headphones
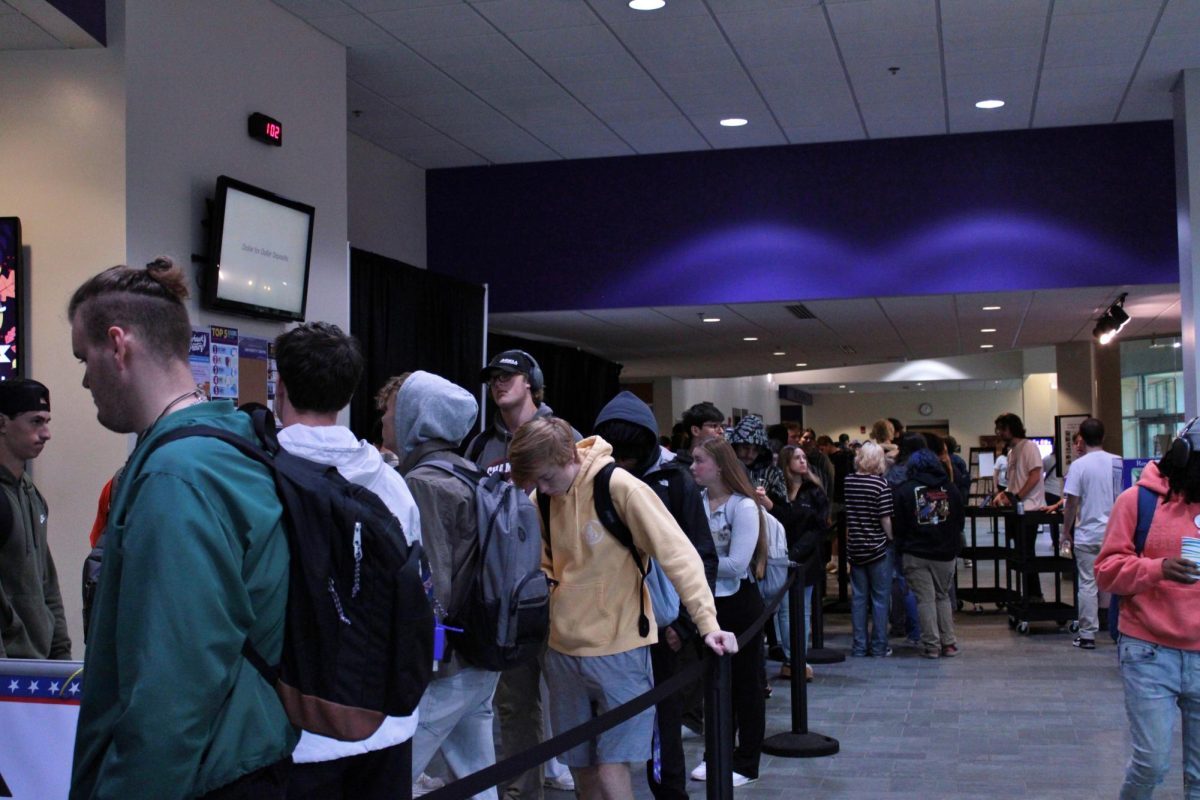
1185	444
536	381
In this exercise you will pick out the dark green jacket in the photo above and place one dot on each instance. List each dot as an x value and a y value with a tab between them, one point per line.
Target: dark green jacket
31	610
195	561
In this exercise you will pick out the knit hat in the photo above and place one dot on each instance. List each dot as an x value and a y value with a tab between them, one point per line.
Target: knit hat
19	395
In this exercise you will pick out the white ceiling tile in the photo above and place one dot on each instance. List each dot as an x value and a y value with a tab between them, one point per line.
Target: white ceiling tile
615	90
676	12
568	114
353	30
988	12
874	15
659	135
643	109
434	22
5	8
583	40
586	68
486	48
1130	22
880	43
316	9
1179	16
885	127
759	133
1123	52
987	61
1073	7
775	27
825	132
676	34
371	6
576	141
533	15
509	145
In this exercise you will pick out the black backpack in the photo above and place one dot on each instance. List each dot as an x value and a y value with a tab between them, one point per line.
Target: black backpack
504	615
358	630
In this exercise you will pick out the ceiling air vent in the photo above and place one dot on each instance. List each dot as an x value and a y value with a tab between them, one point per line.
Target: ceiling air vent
800	311
848	350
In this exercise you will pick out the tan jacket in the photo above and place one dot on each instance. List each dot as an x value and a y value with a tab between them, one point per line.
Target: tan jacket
594	607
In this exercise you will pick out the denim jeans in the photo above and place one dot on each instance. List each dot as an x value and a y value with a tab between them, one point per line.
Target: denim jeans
1157	680
771	583
871	583
456	717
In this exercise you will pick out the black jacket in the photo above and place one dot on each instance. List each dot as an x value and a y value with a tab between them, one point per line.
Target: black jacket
805	520
929	511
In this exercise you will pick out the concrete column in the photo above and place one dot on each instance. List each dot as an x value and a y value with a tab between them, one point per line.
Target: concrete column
1187	192
1073	362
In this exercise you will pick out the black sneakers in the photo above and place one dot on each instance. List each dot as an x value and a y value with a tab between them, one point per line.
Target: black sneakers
1084	644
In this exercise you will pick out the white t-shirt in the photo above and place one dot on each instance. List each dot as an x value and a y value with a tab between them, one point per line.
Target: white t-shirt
1095	479
1023	459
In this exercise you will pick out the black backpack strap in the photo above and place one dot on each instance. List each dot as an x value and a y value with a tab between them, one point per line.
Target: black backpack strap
606	512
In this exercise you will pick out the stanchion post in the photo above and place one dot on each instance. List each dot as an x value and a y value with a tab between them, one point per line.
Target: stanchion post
820	654
718	728
799	742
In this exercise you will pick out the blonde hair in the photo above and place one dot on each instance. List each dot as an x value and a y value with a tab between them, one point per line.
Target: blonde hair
871	459
541	442
882	431
733	476
388	389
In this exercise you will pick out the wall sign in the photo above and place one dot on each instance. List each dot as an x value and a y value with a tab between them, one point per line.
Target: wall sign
12	277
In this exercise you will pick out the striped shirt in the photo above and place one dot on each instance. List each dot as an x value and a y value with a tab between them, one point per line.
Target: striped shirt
868	499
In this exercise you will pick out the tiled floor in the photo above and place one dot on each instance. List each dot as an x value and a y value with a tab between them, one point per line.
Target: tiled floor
1014	716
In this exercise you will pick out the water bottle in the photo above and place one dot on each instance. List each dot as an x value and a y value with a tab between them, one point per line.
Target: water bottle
1020	507
1064	549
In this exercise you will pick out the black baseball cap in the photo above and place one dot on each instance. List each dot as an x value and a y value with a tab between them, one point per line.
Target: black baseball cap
513	361
18	395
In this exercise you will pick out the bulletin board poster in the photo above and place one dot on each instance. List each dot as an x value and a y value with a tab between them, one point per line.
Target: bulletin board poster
200	360
254	371
1131	470
223	350
11	277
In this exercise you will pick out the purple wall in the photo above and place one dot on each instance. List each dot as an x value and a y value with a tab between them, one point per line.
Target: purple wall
979	212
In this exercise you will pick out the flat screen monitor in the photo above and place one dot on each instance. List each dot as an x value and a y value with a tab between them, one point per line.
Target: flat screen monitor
1045	444
260	252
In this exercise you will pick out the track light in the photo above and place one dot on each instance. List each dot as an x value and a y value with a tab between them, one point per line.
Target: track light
1113	320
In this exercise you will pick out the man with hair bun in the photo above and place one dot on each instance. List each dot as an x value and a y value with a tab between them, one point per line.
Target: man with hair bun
31	611
195	568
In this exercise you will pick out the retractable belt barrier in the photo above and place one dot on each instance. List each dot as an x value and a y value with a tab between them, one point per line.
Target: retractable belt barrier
515	765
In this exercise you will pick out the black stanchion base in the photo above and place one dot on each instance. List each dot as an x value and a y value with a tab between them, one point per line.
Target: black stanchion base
824	655
800	745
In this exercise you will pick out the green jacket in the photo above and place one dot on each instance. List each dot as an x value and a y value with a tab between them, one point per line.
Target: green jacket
32	622
195	560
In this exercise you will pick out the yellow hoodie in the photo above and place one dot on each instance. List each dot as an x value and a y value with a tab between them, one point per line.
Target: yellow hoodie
594	607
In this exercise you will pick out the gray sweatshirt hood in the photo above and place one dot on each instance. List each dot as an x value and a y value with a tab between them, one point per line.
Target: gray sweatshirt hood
430	407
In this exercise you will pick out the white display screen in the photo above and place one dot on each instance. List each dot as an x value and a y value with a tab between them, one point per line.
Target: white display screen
264	253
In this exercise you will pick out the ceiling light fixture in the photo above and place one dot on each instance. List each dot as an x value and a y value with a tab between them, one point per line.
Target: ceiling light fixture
709	318
841	386
733	122
749	338
647	5
779	353
801	363
986	346
991	308
1112	321
987	330
988	105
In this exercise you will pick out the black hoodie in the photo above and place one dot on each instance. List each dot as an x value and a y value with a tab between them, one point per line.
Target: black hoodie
929	511
688	507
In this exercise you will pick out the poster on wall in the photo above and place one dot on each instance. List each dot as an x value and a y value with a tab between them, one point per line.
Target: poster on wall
200	360
223	349
254	372
1065	428
12	276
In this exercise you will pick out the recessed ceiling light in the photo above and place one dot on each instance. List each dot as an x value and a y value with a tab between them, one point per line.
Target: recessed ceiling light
988	105
749	338
991	308
710	319
841	386
851	391
801	363
986	346
733	122
647	5
779	353
987	330
918	383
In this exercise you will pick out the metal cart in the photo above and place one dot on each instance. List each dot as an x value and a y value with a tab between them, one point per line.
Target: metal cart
1025	567
985	543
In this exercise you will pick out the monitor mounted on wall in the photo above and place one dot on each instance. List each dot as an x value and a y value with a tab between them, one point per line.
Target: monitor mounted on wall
259	253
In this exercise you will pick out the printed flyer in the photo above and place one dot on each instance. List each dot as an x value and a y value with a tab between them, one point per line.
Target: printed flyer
224	354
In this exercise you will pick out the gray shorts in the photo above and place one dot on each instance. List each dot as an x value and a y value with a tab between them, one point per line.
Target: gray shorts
584	687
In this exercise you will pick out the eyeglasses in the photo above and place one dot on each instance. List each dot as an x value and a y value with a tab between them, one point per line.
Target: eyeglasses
714	426
502	377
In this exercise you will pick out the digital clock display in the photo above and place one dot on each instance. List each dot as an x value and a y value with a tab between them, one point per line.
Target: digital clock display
265	129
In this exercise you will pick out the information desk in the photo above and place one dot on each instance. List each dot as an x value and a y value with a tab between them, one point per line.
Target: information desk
39	707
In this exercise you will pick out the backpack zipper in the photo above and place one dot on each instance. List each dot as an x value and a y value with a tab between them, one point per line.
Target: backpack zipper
358	554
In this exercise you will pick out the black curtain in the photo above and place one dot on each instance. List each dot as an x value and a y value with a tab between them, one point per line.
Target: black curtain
578	384
408	319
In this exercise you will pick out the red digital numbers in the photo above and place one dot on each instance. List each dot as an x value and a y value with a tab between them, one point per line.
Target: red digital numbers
273	130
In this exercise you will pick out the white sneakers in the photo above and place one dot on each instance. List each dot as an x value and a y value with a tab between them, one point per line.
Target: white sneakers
564	782
700	773
424	784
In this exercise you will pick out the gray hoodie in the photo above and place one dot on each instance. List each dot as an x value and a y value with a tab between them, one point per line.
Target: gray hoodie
489	450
